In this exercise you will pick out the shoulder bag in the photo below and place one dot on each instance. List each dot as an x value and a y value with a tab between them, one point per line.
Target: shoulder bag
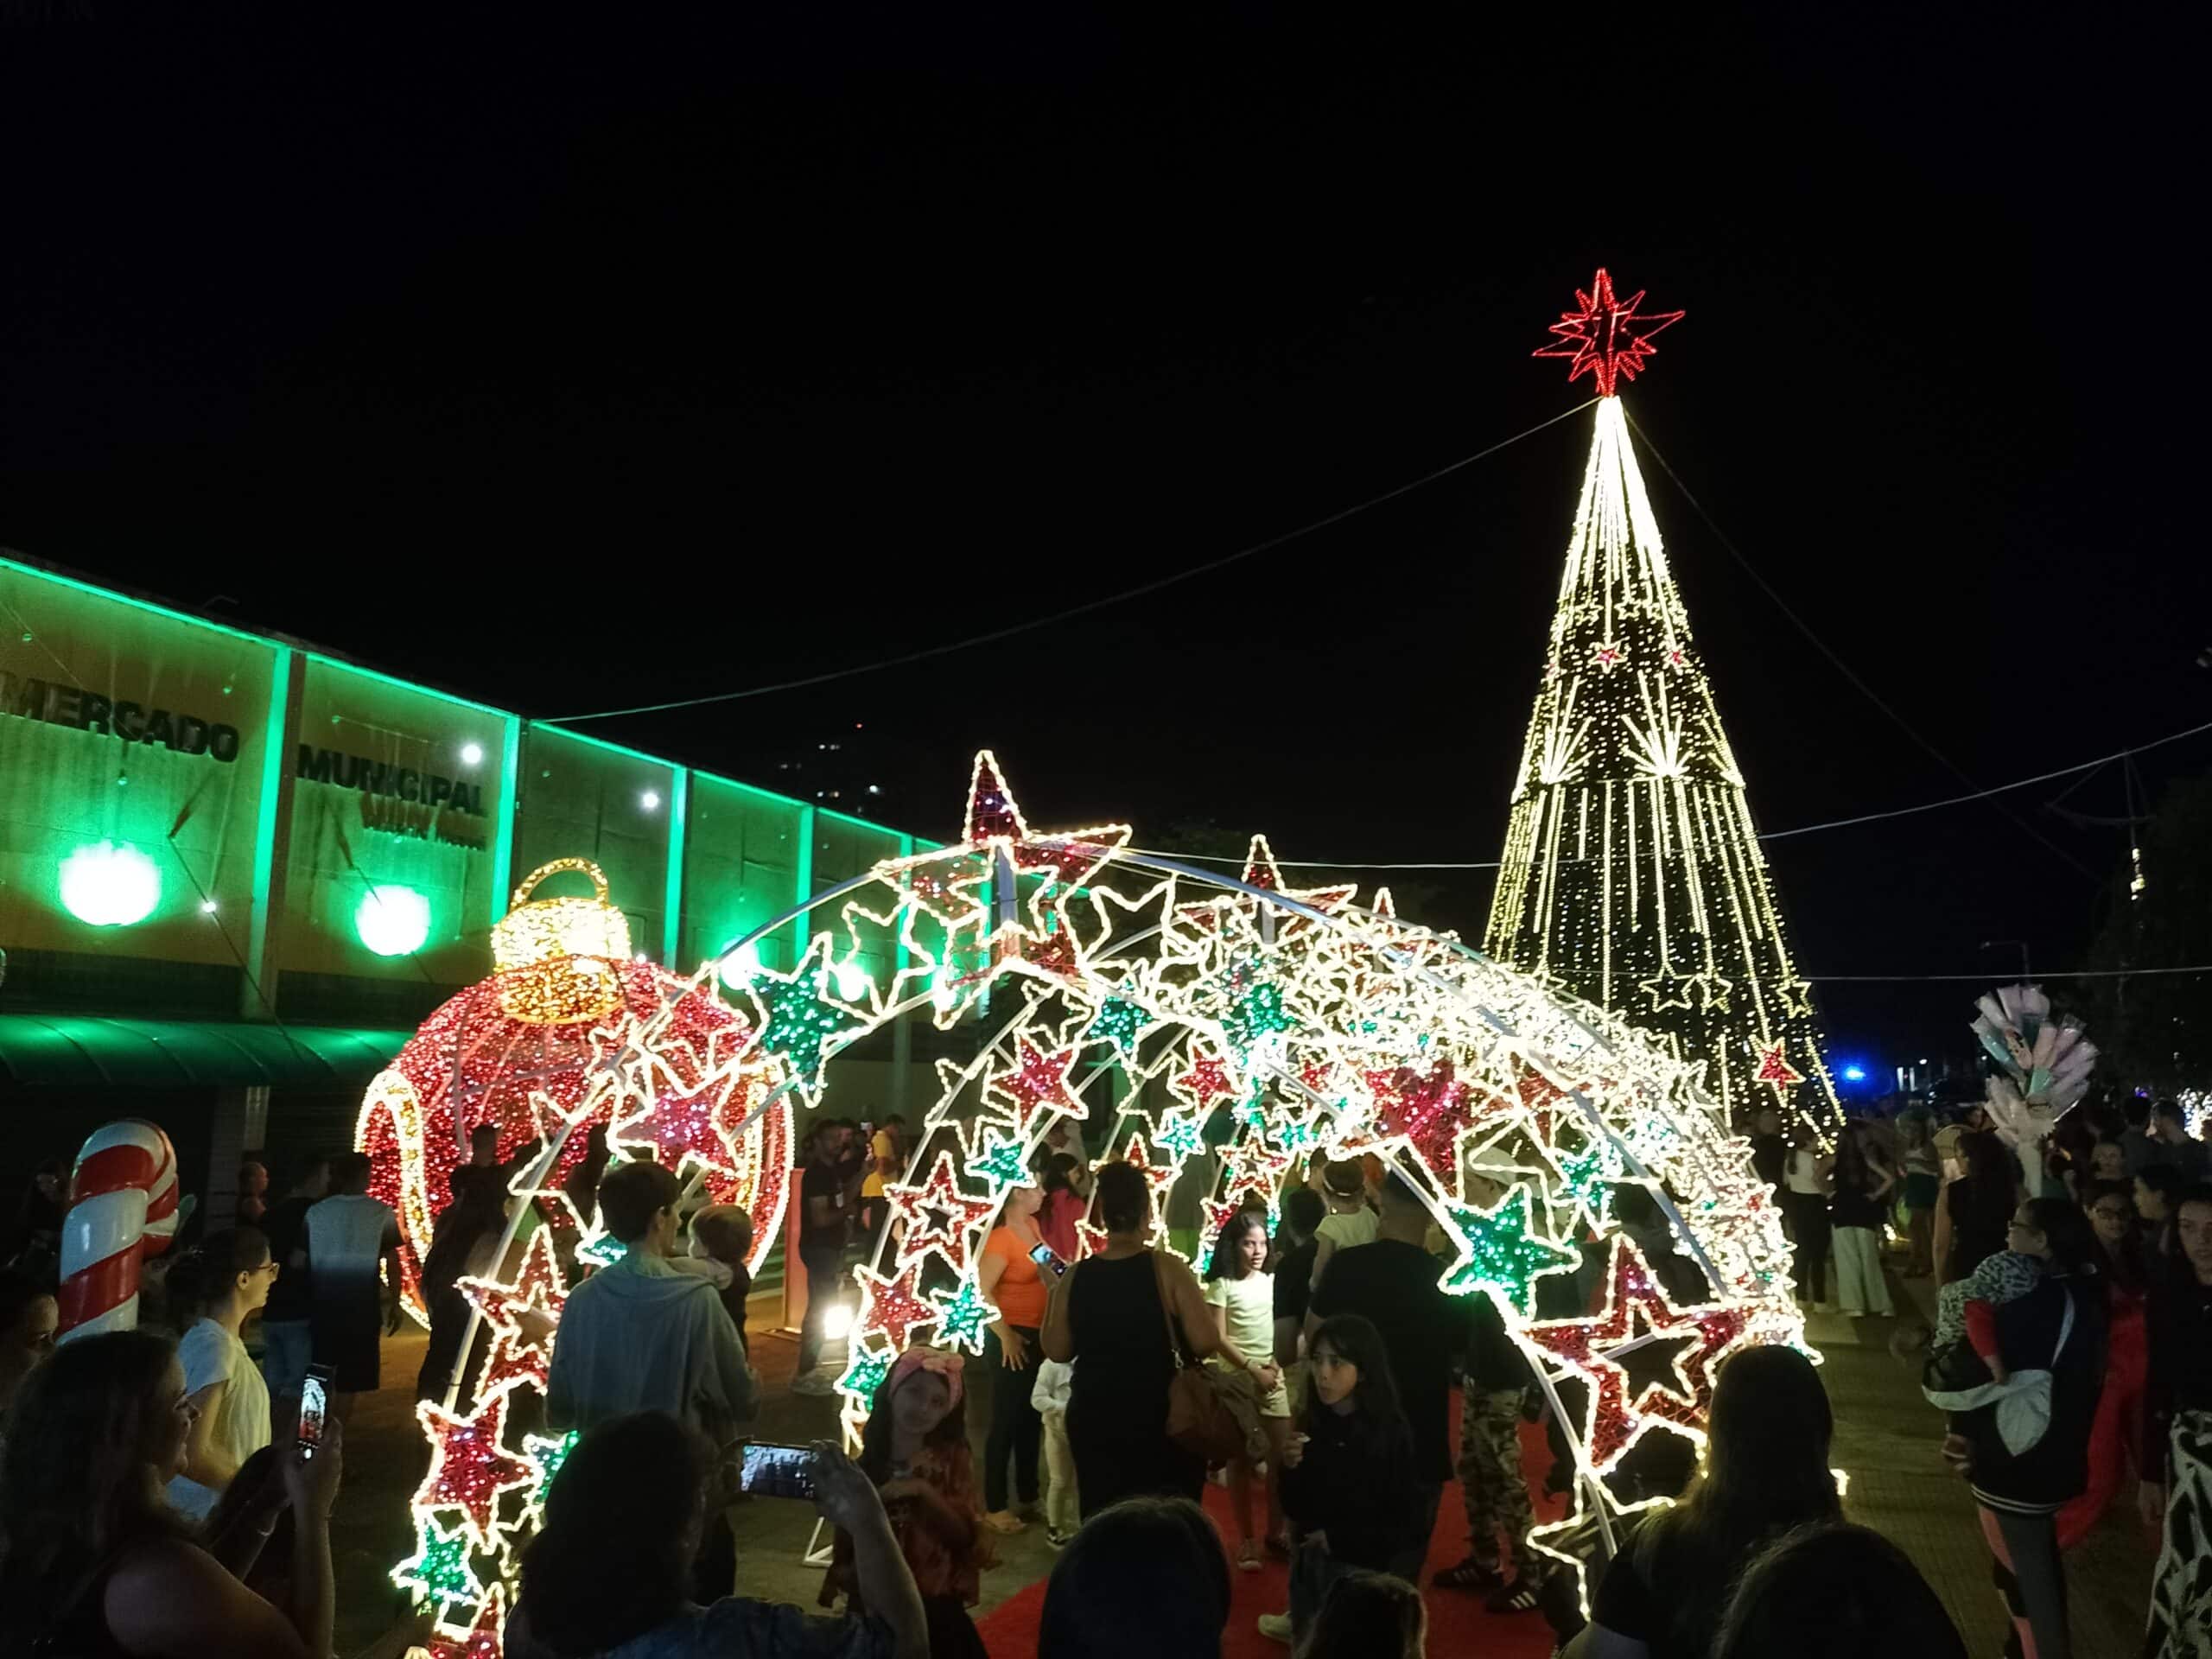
1197	1421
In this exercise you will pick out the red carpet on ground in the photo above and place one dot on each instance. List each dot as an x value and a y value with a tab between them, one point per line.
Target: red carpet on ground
1456	1623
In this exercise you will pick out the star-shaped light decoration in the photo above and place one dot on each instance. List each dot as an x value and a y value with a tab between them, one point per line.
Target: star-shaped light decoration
1632	1391
1179	1135
482	1639
1205	1082
440	1569
469	1467
800	1021
1434	1110
1669	988
1605	338
682	1125
522	1315
1037	1082
1158	1177
895	1307
1118	1021
965	1317
938	1215
865	1375
1498	1251
1776	1070
1607	655
999	1160
546	1452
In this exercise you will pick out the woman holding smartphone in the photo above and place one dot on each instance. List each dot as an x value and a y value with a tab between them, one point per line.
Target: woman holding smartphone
1012	1280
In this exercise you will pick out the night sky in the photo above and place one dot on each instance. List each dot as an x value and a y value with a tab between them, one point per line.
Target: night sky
589	356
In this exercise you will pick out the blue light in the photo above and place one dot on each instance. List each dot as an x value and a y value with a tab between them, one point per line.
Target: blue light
1854	1074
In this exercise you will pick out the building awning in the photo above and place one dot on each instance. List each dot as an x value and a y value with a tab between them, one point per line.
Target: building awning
61	1051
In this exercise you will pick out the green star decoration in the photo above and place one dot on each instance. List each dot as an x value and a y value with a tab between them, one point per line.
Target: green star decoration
865	1375
1257	1014
965	1316
1118	1021
1590	1174
1296	1135
1497	1252
555	1452
439	1569
1179	1136
603	1251
1000	1163
799	1024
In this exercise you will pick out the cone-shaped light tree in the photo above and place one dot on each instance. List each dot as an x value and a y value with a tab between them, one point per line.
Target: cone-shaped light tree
1633	873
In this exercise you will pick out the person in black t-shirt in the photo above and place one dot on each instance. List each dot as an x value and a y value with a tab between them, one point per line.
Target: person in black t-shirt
1394	1283
1766	1470
825	1222
286	1338
1302	1209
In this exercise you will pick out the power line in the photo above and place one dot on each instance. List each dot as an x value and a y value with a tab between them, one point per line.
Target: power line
1034	622
1842	667
1771	835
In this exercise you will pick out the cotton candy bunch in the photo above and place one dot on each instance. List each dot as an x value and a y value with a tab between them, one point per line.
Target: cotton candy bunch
2043	1064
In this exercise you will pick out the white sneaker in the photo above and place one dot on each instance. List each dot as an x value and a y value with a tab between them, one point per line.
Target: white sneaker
1275	1627
814	1382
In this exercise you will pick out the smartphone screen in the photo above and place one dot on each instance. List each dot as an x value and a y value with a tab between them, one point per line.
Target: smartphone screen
314	1404
1045	1256
772	1470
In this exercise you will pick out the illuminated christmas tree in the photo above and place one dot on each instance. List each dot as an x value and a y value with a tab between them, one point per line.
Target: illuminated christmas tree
1632	874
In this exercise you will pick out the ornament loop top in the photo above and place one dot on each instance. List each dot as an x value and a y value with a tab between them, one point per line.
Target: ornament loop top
558	952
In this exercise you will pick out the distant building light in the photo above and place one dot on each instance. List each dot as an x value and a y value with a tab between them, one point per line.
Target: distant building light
650	800
472	754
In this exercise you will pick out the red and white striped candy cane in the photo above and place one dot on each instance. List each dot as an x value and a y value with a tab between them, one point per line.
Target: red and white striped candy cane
123	1200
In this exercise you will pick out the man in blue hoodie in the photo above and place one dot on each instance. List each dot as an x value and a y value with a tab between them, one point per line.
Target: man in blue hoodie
640	1336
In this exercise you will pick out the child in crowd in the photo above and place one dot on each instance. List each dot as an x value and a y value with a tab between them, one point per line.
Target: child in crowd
915	1449
1062	1513
722	1237
1348	1475
1350	1222
1967	1309
1241	1294
1370	1616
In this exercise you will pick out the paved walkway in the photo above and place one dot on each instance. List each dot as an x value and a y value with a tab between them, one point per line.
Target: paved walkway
1886	1438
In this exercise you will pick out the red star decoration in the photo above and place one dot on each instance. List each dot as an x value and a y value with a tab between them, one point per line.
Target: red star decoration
1605	338
1039	1082
680	1125
1636	1310
991	809
469	1466
1540	1098
1674	657
1434	1112
482	1641
1607	654
1205	1082
522	1316
1158	1177
938	1215
1255	1166
1776	1070
895	1307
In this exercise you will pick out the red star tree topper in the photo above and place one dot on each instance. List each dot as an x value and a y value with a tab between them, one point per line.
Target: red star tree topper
1606	338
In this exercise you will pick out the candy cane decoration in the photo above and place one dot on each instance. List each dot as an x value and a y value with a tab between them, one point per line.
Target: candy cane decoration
123	1208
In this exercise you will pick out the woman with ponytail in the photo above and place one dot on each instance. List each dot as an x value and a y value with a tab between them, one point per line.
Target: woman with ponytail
212	1290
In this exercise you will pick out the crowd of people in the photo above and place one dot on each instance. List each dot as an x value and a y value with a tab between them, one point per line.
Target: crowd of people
142	1474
